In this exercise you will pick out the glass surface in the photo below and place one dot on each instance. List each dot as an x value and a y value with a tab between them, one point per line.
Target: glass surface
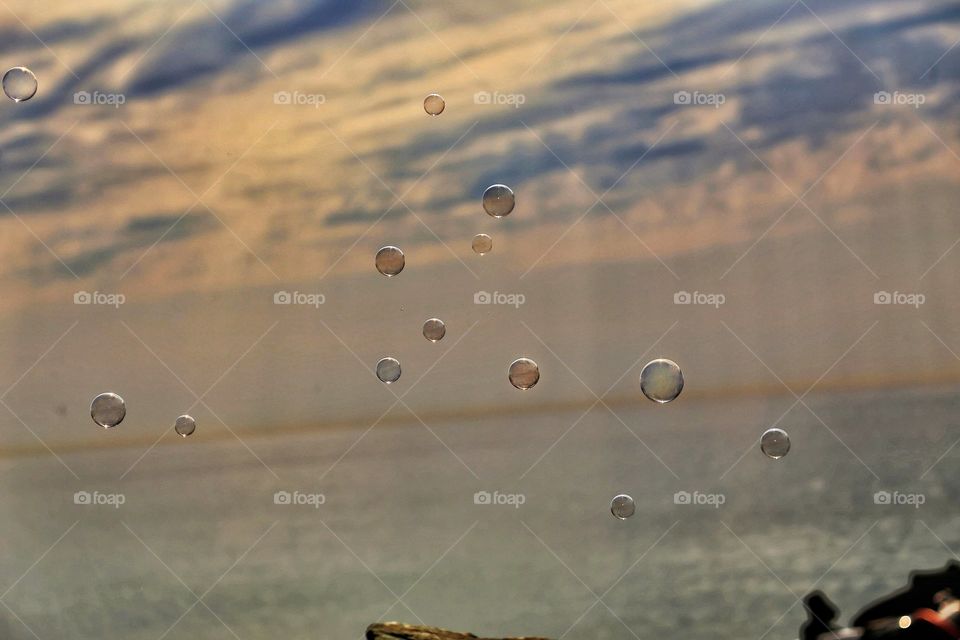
764	192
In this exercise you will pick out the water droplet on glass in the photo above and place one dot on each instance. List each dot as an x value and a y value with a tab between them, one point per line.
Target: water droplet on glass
482	243
19	84
524	373
108	410
622	506
434	329
390	261
388	370
434	104
661	380
185	426
775	443
498	200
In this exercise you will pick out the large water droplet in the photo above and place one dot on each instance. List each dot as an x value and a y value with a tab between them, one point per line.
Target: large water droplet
661	380
434	104
775	443
390	261
108	410
19	84
622	506
498	200
434	329
524	373
185	425
388	370
482	243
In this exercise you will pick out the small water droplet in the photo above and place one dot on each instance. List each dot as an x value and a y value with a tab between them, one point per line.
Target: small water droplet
19	84
434	329
390	261
388	370
434	104
661	380
622	506
775	443
482	243
108	410
185	425
524	373
498	200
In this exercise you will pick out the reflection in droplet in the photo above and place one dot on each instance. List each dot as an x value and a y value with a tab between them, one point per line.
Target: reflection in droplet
623	506
482	243
434	329
524	373
108	410
19	84
185	425
775	443
434	104
388	370
661	380
390	261
498	200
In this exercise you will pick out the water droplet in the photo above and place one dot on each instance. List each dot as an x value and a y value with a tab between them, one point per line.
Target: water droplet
19	84
388	370
185	426
434	104
524	373
482	243
390	261
498	200
661	380
434	329
775	443
622	506
108	410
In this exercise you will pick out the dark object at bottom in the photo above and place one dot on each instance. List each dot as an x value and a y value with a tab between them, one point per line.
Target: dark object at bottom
397	631
926	609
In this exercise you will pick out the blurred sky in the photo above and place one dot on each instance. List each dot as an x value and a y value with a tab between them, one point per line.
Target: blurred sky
798	198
